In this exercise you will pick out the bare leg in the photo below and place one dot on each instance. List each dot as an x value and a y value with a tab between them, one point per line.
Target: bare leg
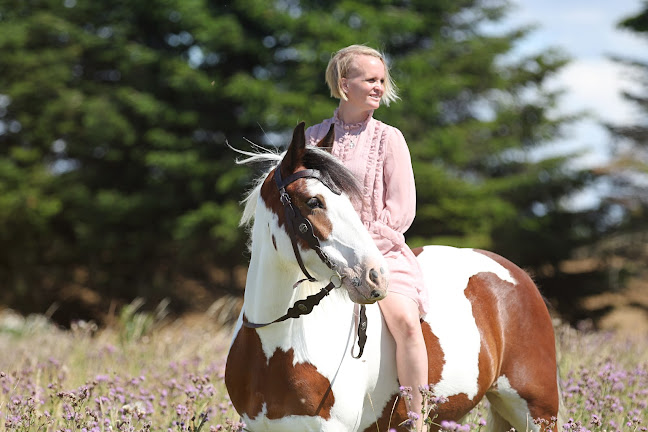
402	318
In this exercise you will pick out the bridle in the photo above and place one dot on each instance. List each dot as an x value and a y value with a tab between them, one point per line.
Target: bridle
298	226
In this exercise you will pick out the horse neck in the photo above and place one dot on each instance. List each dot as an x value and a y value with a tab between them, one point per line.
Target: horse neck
269	288
269	293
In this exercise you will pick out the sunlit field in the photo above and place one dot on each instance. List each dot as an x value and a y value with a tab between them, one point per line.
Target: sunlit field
144	374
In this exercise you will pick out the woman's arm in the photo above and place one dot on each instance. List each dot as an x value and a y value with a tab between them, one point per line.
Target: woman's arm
400	191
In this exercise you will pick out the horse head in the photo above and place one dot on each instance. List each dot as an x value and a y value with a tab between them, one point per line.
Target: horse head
311	193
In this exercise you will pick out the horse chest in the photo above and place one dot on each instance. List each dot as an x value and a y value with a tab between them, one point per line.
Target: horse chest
276	386
315	386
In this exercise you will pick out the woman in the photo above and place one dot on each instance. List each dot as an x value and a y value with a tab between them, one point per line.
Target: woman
378	155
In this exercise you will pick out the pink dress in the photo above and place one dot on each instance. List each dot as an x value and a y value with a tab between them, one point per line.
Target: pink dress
378	156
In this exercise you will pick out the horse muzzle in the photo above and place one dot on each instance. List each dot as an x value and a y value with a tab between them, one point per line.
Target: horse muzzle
366	284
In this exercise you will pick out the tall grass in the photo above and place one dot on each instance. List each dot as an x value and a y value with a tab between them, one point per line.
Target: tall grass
149	375
138	376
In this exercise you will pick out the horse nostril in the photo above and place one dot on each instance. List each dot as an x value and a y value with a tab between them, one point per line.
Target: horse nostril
373	275
375	294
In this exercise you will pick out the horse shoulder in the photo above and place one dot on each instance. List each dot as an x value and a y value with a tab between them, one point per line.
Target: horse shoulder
277	386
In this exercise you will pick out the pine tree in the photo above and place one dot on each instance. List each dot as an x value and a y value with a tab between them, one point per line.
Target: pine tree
114	117
627	173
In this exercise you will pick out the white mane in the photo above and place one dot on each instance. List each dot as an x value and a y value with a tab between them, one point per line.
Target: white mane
250	200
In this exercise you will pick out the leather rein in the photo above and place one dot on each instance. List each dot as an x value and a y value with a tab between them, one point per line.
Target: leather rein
298	226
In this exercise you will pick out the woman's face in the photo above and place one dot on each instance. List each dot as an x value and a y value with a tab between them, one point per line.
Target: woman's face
365	83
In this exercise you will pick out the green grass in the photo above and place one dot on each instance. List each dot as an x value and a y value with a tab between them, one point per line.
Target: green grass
146	374
167	378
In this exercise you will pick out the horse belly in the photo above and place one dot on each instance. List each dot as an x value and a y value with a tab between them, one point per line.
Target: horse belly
490	334
461	358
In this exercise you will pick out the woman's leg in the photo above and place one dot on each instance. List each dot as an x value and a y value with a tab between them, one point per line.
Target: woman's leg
402	317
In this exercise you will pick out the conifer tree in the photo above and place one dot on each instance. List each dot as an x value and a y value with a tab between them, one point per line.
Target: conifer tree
114	116
627	173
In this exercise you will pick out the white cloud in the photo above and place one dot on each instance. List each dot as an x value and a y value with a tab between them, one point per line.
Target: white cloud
596	85
587	30
582	28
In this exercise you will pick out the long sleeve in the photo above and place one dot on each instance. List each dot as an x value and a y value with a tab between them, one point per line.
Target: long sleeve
399	189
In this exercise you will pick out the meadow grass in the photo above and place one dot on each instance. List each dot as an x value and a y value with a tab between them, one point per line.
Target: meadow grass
169	377
166	378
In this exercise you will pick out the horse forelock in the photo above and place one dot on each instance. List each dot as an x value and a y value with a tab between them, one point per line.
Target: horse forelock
314	158
329	166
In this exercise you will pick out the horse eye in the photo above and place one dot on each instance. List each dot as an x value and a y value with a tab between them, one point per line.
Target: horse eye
314	203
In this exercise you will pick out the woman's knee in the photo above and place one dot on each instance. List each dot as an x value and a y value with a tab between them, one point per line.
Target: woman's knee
402	318
410	327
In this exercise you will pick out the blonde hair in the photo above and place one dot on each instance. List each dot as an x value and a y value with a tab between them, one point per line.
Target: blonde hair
342	62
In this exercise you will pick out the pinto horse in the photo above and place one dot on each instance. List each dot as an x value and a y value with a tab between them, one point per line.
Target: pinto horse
307	358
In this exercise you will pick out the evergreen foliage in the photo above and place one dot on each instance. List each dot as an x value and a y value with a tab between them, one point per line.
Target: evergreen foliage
115	176
627	173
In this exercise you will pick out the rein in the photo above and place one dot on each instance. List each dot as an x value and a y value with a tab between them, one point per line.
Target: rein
298	226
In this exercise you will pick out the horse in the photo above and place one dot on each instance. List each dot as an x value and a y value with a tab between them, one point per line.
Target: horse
313	353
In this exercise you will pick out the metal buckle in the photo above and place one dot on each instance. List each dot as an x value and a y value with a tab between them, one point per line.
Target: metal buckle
336	275
284	197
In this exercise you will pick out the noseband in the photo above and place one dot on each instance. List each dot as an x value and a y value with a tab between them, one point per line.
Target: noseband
298	226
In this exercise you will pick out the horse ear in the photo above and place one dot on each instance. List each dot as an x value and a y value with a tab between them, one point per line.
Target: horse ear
295	152
327	142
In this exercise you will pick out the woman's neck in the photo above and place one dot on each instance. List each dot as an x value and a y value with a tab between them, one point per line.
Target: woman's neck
350	115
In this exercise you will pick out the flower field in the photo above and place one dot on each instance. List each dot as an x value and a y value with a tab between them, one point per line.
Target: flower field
143	375
137	377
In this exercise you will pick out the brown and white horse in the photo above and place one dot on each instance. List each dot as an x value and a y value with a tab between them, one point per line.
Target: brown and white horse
293	364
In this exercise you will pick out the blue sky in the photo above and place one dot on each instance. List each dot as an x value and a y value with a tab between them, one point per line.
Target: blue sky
587	31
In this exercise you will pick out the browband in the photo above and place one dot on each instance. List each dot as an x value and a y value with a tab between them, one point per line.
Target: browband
307	173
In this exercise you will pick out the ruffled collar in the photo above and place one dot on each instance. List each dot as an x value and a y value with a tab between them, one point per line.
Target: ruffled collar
351	126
